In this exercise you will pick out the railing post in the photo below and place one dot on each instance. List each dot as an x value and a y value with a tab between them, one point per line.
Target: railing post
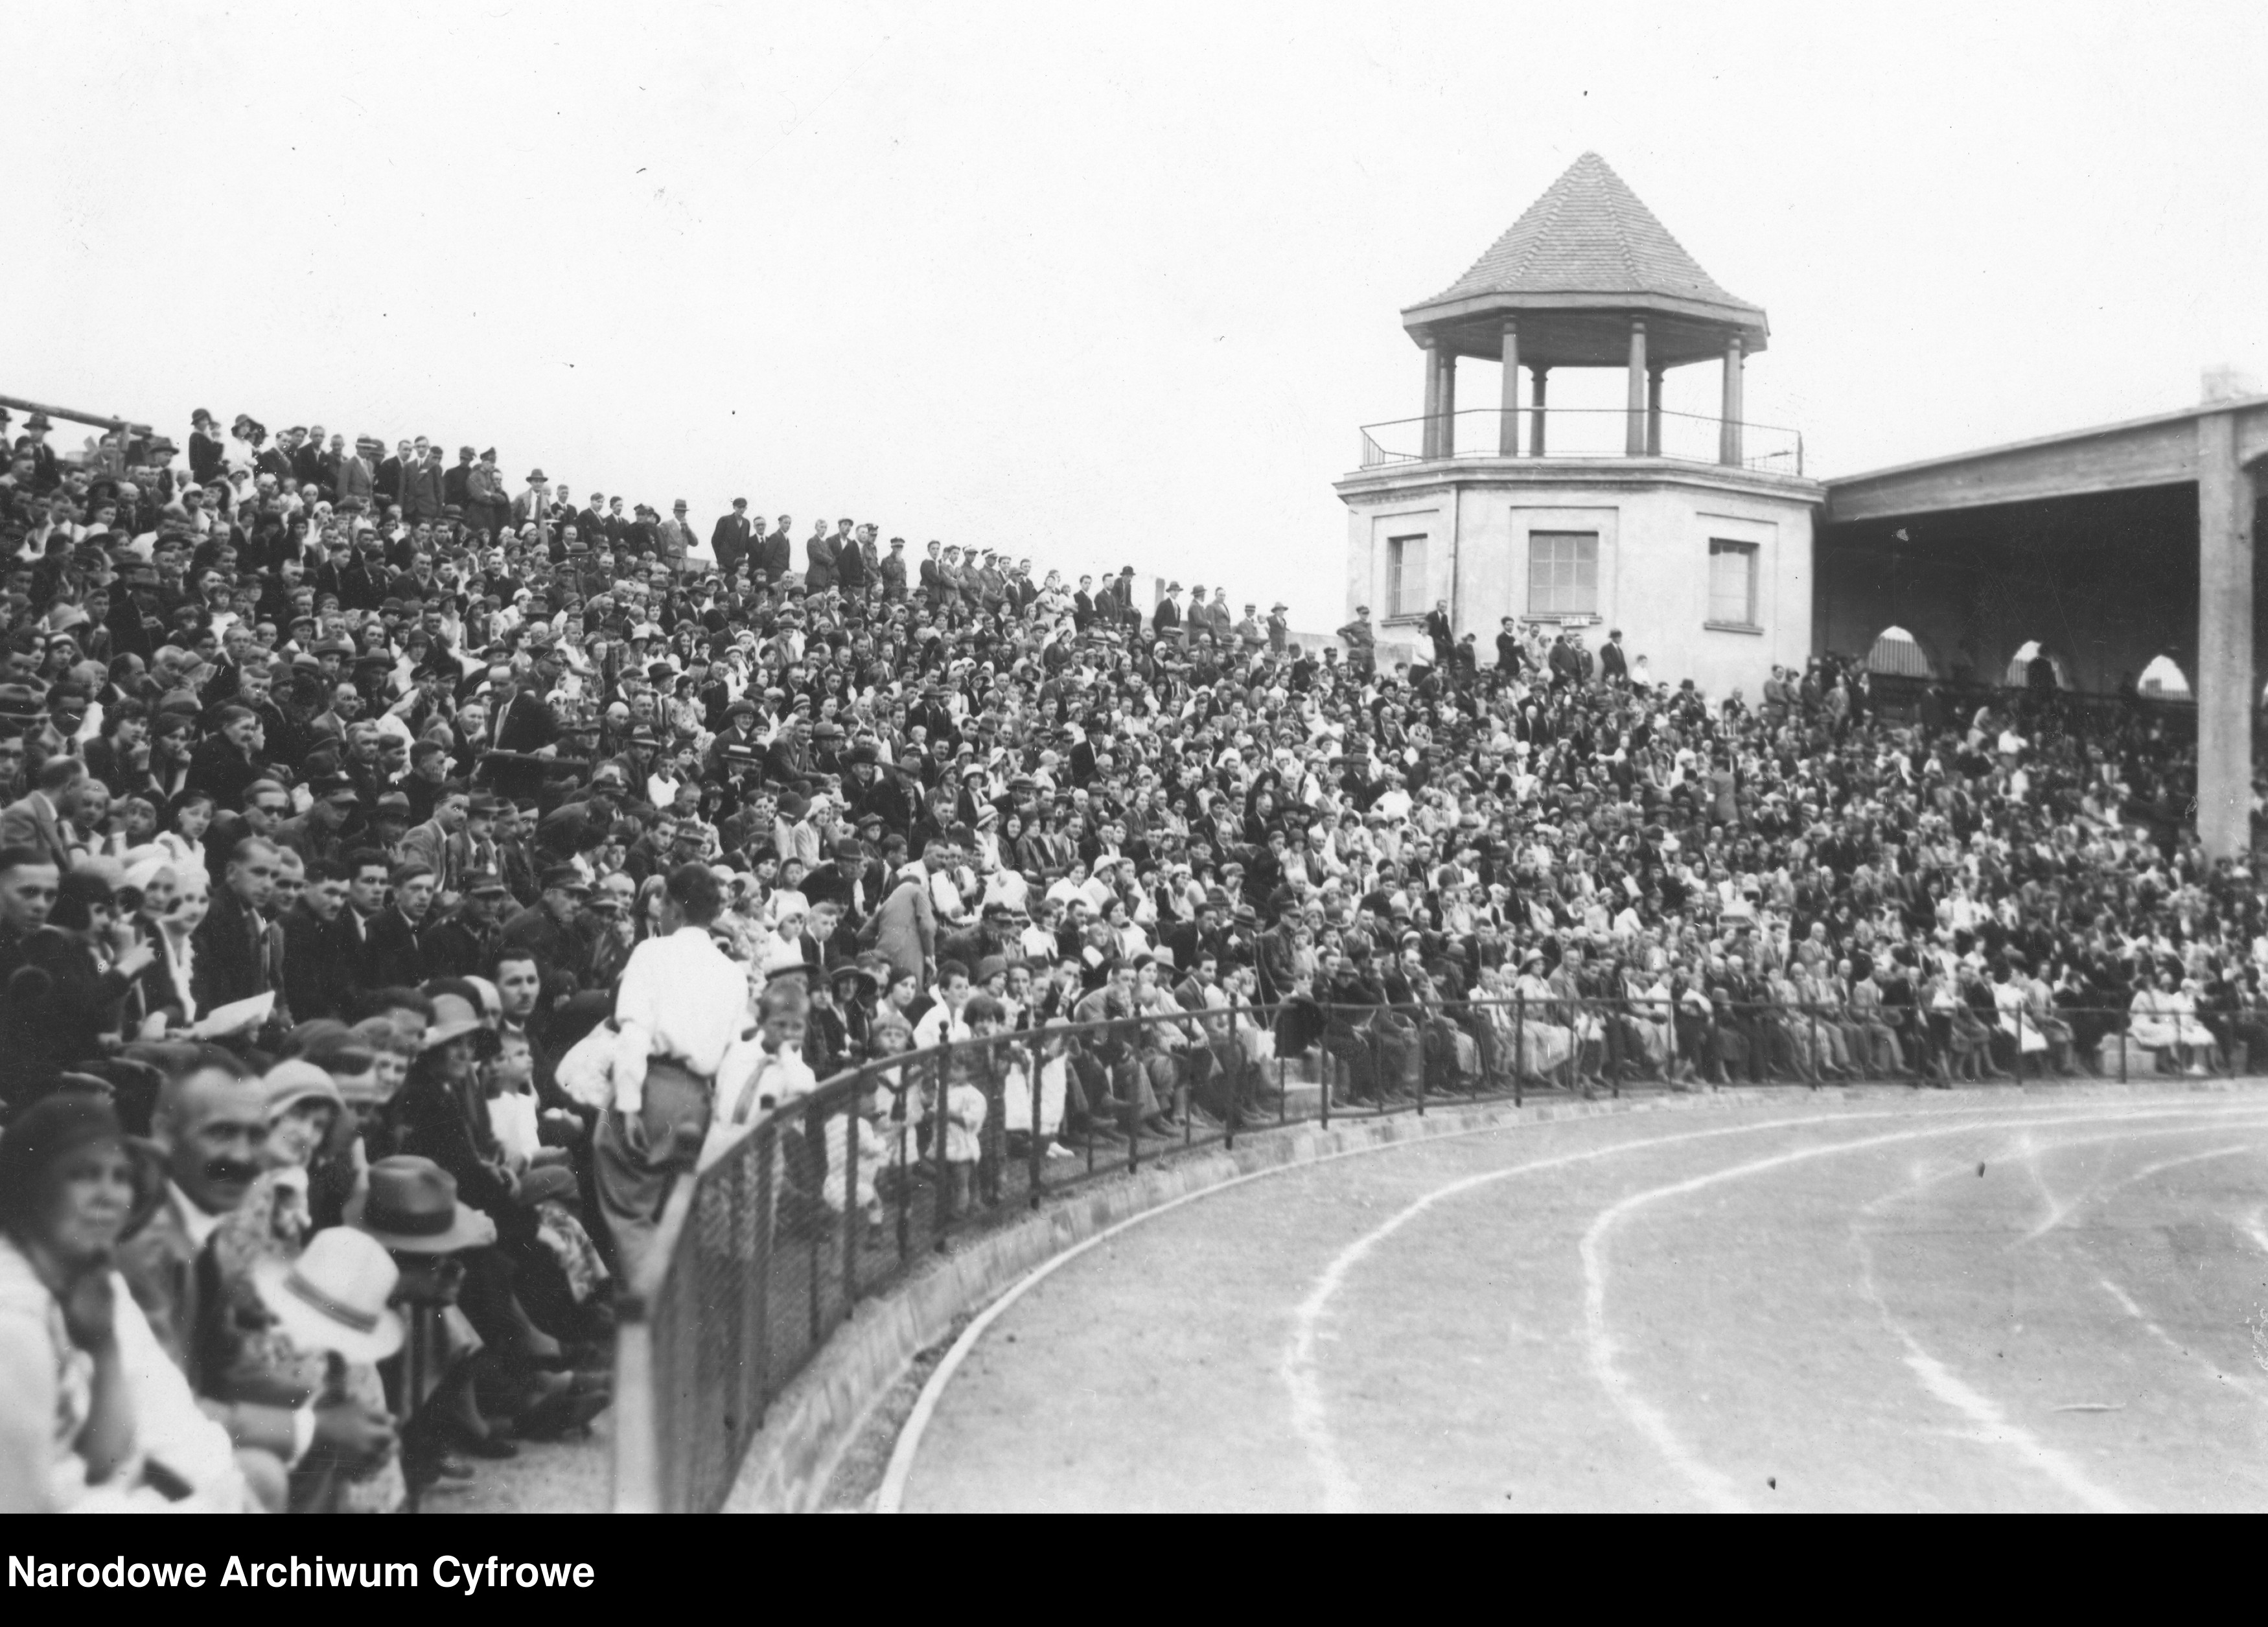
1134	1109
2121	1055
1038	1159
814	1133
941	1074
853	1215
1323	1070
2020	1048
1422	1069
1518	1042
1611	1036
902	1162
1235	1085
767	1152
1811	1016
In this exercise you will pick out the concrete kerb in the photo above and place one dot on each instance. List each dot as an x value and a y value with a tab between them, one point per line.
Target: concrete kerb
815	1420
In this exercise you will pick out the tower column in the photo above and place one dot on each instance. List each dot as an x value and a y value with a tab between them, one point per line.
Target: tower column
1653	410
2227	683
1728	427
1634	430
1536	417
1449	442
1430	445
1507	428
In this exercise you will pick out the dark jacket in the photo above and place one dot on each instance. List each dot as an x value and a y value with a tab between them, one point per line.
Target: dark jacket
231	952
397	953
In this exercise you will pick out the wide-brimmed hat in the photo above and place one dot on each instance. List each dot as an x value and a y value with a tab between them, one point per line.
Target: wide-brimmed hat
334	1296
453	1017
291	1082
411	1205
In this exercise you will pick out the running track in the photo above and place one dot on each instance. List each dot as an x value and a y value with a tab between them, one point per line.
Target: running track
1804	1305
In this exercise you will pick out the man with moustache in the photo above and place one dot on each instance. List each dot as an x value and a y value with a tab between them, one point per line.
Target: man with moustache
210	1124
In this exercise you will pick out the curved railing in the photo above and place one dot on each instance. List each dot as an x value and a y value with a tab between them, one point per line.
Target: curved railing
830	1198
1580	432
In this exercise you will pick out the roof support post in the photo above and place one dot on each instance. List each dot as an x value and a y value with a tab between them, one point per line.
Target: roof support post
1728	426
1535	417
1507	428
1653	409
1634	428
1431	448
1429	414
2227	682
1449	440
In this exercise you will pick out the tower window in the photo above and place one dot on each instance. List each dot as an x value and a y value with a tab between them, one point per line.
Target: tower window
1562	573
1732	583
1405	576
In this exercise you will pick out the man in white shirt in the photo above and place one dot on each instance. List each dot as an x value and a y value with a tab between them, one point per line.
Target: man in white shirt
942	1021
683	1009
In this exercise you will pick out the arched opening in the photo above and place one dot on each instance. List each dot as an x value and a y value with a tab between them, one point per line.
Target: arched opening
1896	653
2019	675
2164	680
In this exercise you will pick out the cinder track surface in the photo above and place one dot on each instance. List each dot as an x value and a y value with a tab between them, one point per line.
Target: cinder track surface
1810	1304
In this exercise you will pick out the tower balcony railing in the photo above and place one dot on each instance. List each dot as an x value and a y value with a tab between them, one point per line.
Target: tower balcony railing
1588	433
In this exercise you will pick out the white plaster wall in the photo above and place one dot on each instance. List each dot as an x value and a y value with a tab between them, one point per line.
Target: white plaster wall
1653	563
1371	528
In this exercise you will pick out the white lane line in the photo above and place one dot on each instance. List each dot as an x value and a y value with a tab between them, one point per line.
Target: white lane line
1300	1379
1996	1429
1710	1485
2204	1363
2059	1214
2027	1155
1310	1420
1994	1426
891	1497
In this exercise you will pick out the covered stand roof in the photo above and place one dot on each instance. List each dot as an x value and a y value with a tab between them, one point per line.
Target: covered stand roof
1583	259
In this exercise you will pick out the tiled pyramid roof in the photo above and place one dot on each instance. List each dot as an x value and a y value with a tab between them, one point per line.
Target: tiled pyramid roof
1589	234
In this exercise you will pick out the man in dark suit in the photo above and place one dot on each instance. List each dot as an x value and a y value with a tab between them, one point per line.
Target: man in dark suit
36	821
232	941
307	460
522	722
775	555
591	524
840	880
393	474
457	485
311	985
422	481
397	950
463	945
1612	667
1167	617
732	539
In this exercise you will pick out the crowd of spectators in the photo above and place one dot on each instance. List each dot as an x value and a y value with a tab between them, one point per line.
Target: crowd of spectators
407	874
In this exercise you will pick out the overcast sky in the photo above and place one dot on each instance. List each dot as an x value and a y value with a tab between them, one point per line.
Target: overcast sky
1103	288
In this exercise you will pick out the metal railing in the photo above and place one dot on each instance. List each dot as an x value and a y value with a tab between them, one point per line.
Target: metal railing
1580	432
825	1200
